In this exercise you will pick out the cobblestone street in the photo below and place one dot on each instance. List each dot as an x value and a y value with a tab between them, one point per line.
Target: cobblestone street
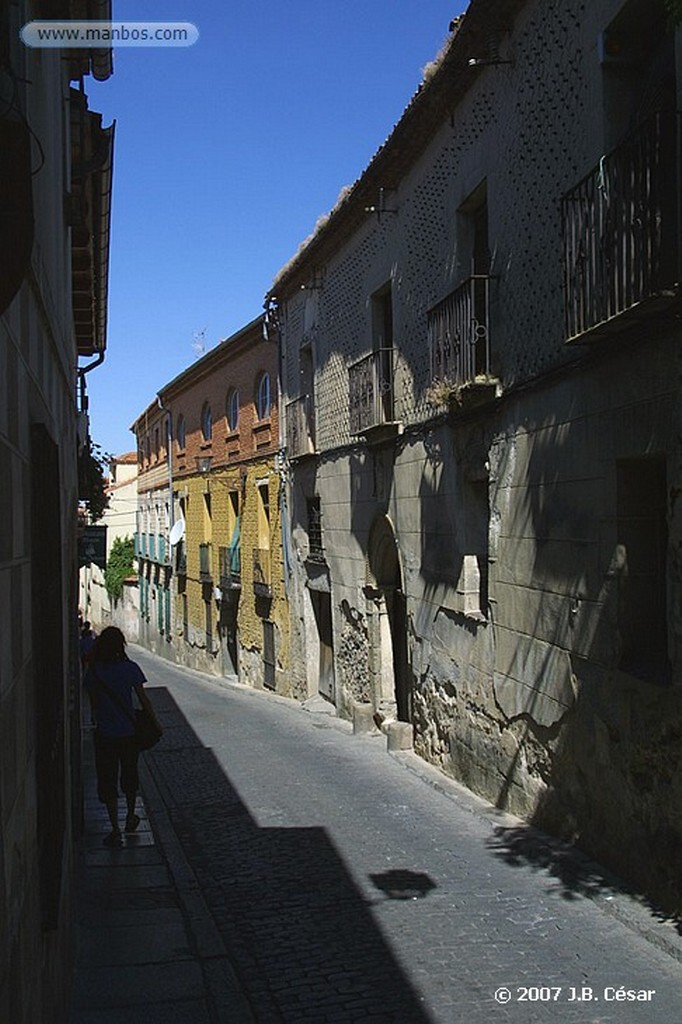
350	885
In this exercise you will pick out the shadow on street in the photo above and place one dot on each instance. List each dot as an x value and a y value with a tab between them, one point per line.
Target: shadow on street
298	931
575	873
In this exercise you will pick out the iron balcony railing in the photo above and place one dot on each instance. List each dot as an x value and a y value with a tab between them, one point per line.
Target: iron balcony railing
205	574
262	580
370	384
621	227
230	567
458	331
300	427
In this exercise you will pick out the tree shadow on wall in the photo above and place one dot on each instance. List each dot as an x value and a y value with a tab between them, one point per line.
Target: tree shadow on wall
299	933
611	759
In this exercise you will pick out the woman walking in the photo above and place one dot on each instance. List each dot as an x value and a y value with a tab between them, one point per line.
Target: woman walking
110	681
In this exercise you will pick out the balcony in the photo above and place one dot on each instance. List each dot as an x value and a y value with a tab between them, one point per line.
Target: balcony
371	394
459	336
141	545
621	227
161	551
152	547
230	567
205	574
300	427
262	579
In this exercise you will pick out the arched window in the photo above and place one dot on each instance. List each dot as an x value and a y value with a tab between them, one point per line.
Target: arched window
181	433
206	422
263	396
232	409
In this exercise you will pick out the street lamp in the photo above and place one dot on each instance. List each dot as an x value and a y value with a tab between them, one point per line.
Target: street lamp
203	463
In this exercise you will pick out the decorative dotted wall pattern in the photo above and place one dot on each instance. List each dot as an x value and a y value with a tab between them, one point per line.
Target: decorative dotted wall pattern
530	130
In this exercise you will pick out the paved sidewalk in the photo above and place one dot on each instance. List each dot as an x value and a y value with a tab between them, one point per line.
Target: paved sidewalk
147	948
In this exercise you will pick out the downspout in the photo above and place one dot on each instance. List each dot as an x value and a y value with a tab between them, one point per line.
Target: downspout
169	457
272	326
83	435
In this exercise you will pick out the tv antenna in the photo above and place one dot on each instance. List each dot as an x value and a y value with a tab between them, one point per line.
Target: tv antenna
199	342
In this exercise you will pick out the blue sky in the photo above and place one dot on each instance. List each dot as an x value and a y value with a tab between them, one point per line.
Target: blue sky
226	154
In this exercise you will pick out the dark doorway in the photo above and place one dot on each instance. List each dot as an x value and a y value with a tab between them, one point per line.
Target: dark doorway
322	610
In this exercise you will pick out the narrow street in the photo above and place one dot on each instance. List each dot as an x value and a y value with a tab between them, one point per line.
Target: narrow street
351	885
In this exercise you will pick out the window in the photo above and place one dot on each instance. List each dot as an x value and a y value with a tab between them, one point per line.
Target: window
263	397
637	57
208	517
382	343
233	512
232	409
181	433
264	515
315	549
206	422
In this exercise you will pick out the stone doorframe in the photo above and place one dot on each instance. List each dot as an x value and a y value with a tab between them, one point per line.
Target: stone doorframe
386	622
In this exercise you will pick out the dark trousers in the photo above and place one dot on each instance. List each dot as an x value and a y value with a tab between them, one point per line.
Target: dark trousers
115	757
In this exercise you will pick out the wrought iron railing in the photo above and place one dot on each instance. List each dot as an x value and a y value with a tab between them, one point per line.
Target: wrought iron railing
205	573
300	427
230	567
621	227
262	580
370	383
459	335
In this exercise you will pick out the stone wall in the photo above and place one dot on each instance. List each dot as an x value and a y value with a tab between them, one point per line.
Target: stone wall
502	522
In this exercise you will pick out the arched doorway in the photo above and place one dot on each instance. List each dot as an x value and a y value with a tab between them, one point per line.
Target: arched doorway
387	610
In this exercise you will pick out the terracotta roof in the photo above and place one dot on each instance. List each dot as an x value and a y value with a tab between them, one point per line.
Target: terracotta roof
127	459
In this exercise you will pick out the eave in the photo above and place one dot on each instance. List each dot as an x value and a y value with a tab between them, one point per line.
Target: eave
90	218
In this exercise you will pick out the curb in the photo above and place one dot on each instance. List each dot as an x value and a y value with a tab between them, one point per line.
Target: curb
228	1003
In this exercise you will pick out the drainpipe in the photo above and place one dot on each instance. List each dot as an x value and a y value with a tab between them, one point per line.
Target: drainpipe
272	324
169	457
83	404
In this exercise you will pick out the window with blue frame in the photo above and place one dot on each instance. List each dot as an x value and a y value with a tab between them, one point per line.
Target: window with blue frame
263	396
206	422
232	409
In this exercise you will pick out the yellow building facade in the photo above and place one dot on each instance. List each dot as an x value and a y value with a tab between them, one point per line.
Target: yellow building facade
227	610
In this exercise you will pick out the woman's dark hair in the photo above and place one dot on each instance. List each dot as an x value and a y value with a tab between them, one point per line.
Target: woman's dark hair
110	645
